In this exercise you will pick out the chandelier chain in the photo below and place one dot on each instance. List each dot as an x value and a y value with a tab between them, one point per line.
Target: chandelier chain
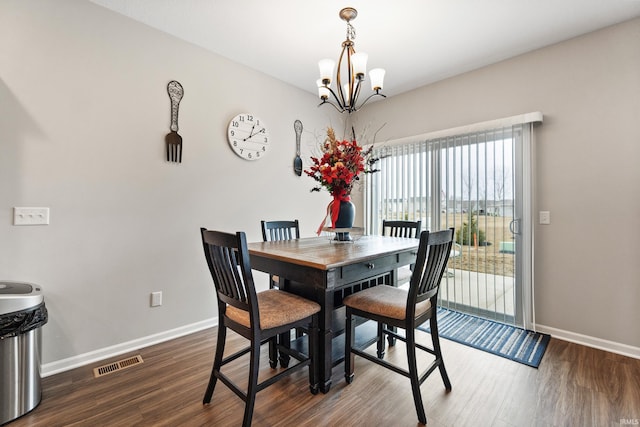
351	32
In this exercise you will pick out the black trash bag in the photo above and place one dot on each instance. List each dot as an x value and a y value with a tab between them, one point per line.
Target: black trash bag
23	321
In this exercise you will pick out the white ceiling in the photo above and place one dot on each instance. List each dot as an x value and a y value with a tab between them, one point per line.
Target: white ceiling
416	41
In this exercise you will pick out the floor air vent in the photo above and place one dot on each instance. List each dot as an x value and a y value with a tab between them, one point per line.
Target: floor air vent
117	366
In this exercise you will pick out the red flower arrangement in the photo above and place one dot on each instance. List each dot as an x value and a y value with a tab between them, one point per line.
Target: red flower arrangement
339	168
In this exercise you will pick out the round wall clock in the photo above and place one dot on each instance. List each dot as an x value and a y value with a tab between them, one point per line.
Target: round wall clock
248	136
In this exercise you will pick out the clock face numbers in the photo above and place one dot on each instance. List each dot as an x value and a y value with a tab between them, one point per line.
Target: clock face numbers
248	136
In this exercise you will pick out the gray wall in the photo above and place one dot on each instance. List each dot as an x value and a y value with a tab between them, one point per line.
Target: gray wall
84	111
587	274
83	115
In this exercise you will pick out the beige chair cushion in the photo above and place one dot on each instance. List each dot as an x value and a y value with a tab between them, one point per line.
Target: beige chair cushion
276	308
384	300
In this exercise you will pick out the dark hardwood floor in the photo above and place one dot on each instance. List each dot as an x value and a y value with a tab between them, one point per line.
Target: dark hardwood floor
574	386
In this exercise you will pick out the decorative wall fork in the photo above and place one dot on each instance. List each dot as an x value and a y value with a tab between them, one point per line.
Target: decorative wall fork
173	140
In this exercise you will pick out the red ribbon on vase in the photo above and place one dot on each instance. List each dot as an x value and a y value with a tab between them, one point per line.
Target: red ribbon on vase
333	209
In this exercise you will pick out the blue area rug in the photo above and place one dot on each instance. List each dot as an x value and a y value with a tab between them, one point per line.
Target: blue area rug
513	343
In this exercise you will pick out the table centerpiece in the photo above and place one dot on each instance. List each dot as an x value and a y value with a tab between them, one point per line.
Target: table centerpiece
337	170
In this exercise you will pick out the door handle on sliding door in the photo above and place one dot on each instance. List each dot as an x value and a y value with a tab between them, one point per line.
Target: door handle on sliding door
514	226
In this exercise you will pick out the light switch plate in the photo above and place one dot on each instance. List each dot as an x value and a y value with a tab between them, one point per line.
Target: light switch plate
30	216
156	299
545	217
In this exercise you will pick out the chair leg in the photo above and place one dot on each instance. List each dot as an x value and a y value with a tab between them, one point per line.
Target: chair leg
273	352
254	367
380	343
217	363
349	358
391	339
435	338
413	375
314	371
285	341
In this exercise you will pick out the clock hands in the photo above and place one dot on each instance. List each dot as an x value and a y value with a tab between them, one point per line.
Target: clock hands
251	134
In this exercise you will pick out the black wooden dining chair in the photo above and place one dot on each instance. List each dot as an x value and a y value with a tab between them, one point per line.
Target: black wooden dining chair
279	230
396	228
258	317
399	228
275	231
405	309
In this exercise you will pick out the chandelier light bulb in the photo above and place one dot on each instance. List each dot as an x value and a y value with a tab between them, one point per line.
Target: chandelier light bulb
359	61
377	78
347	94
326	70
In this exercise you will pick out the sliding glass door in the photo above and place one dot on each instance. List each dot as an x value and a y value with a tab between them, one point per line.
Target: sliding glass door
477	183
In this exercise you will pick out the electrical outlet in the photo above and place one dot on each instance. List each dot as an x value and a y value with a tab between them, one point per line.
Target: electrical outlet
156	299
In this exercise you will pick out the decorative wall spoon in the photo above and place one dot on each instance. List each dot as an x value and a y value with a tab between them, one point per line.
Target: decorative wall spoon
297	162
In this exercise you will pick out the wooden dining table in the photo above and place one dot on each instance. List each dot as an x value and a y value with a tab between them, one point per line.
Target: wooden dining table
324	270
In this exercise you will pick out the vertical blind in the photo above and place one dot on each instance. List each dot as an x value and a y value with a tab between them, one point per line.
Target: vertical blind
452	174
470	180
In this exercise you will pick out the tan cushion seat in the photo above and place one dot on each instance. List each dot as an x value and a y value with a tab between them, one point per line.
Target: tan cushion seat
384	300
276	308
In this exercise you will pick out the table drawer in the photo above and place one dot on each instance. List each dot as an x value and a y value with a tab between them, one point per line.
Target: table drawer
406	258
370	268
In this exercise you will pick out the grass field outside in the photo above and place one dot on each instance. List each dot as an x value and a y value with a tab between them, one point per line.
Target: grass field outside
485	258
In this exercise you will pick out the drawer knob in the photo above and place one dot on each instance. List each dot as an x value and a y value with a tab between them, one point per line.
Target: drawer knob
371	266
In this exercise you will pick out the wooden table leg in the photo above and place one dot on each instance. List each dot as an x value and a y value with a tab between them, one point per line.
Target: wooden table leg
324	341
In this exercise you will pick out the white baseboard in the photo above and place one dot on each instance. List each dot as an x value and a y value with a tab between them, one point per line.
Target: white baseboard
109	352
611	346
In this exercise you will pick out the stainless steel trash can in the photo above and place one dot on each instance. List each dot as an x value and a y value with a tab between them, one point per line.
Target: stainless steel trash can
22	313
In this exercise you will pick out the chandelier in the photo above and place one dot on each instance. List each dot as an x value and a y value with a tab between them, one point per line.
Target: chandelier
354	65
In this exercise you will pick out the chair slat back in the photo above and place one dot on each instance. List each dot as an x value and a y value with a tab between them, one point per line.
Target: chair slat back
280	230
401	228
228	260
431	263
